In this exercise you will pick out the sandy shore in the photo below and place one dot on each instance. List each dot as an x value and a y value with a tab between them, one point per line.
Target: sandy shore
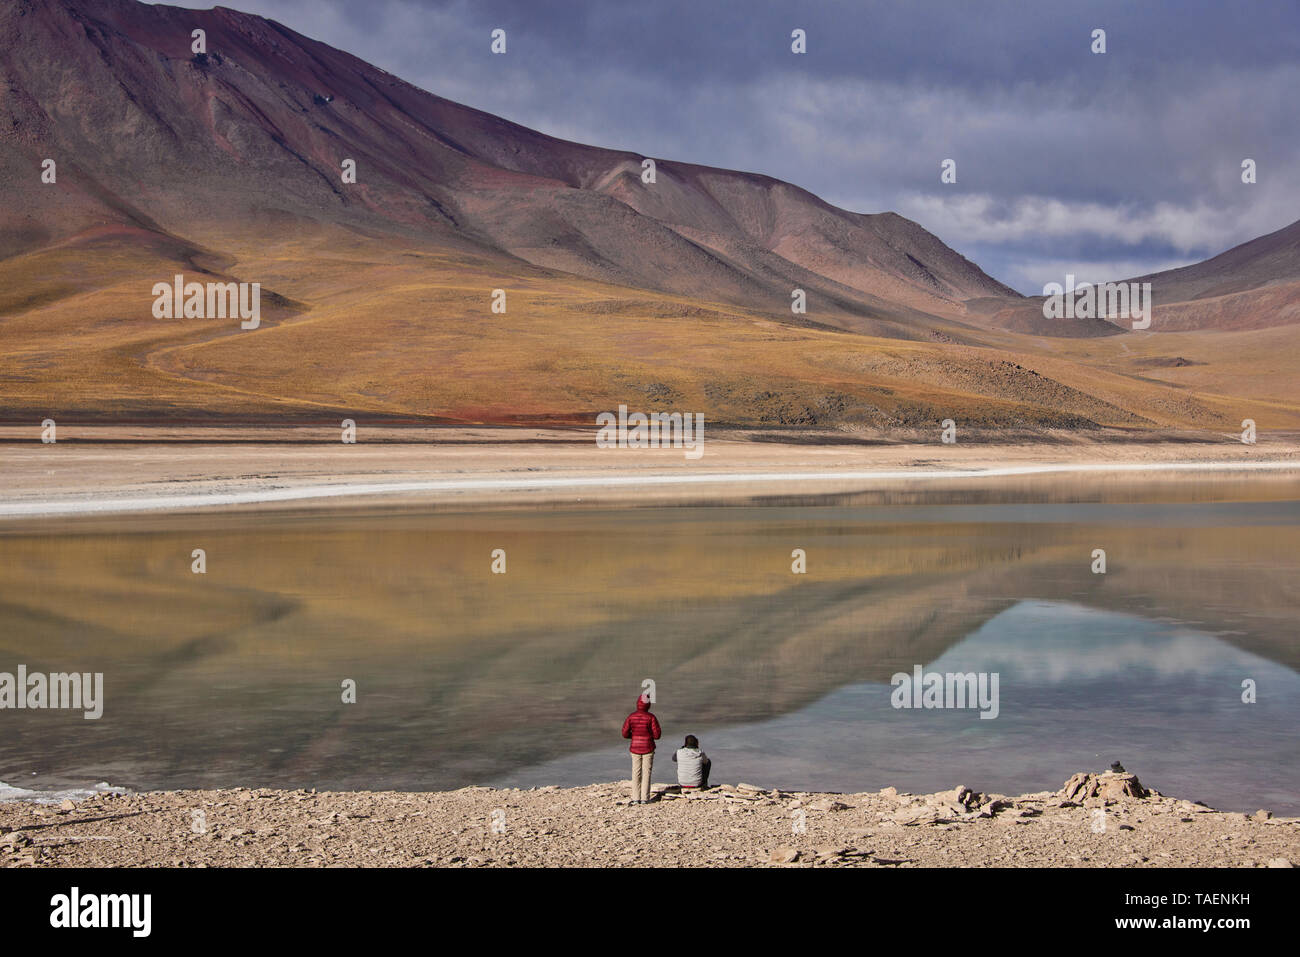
1106	820
119	469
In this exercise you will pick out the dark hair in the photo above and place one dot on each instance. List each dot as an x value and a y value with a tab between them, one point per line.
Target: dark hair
691	741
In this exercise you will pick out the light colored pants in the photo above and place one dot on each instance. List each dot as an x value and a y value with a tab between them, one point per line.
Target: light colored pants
642	766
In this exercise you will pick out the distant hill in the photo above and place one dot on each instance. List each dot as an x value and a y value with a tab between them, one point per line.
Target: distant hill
1252	286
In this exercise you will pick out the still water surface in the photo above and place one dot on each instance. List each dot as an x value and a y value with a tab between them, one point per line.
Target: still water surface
464	676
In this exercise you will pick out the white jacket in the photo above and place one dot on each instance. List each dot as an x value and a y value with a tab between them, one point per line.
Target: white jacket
690	766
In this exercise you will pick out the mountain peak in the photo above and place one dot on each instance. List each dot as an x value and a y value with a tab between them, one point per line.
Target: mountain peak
259	124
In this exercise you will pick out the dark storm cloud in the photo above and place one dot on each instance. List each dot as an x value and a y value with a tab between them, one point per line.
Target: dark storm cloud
1105	165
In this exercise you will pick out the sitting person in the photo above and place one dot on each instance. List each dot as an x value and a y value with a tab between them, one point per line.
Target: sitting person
692	764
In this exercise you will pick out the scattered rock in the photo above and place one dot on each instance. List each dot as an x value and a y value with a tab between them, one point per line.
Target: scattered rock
1279	862
960	796
912	816
783	855
827	804
1108	785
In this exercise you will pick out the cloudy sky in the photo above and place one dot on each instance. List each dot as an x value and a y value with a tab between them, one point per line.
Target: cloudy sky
1104	165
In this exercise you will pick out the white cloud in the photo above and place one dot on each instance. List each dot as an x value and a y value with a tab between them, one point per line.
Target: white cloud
983	218
1030	275
1103	165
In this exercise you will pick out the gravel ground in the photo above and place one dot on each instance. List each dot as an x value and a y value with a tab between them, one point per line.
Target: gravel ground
1106	820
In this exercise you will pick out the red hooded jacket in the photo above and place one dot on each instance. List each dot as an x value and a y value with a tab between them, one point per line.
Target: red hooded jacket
642	727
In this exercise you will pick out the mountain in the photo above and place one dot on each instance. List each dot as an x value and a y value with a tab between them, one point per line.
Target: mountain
150	136
1252	286
376	294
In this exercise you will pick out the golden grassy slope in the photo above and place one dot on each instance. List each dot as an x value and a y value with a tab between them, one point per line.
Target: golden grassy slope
355	326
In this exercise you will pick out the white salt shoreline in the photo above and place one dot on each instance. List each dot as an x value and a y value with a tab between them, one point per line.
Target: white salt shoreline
79	504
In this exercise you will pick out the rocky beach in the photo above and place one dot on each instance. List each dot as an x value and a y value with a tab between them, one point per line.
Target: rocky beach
1094	820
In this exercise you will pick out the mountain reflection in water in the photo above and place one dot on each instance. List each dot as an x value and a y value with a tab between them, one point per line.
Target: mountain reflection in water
463	676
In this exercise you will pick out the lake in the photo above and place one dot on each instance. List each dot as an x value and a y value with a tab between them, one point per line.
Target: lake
235	677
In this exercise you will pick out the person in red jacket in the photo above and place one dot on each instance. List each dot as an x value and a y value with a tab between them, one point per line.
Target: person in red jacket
642	727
